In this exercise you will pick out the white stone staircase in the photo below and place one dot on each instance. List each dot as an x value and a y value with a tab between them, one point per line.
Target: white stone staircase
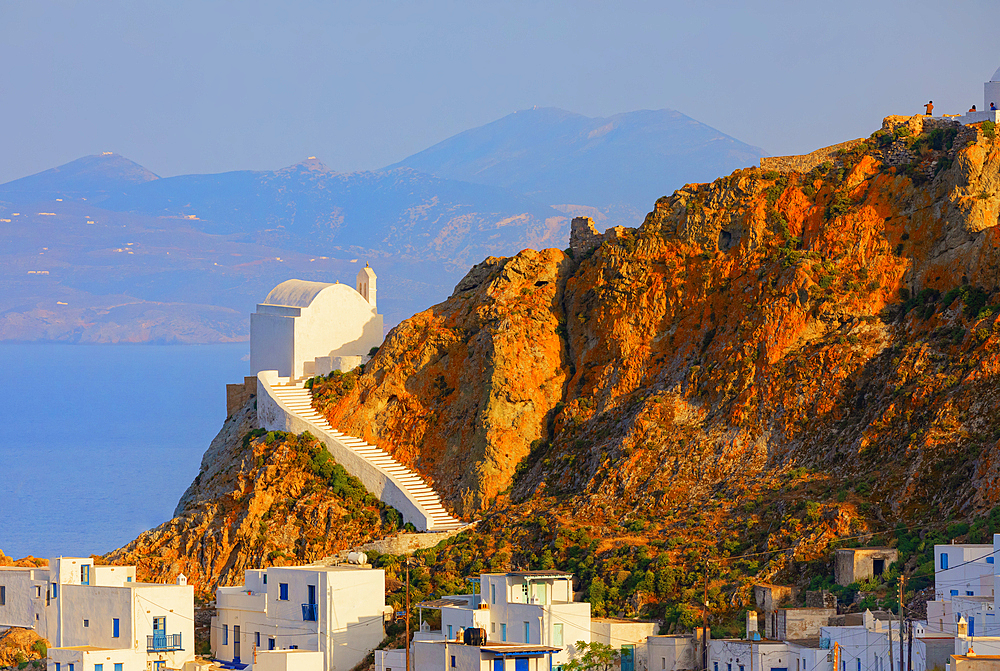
298	400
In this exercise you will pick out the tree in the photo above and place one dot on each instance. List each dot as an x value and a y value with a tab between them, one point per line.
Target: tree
593	657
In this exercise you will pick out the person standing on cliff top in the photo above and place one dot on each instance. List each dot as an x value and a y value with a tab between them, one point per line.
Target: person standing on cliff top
929	107
993	107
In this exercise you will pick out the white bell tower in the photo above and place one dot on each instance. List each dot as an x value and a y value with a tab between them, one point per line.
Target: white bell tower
366	285
991	91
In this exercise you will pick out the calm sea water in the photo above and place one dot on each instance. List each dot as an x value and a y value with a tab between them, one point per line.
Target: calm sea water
97	443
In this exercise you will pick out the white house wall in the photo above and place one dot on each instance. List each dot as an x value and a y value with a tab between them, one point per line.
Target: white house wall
24	594
967	564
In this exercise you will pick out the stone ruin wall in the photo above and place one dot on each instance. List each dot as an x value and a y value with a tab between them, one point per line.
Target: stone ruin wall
584	238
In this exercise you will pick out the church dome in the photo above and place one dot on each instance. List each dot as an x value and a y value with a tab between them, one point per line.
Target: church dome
996	76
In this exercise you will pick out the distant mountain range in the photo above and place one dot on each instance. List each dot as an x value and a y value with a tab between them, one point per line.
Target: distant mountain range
190	255
618	165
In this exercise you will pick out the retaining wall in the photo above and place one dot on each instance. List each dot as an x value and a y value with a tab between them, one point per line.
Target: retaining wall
273	415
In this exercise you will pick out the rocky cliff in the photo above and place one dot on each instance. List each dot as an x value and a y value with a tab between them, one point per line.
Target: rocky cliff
766	320
260	499
769	363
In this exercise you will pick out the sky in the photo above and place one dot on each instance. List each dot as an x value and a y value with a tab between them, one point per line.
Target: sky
204	86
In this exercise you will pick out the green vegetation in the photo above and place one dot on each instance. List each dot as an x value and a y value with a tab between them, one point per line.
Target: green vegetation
595	657
989	130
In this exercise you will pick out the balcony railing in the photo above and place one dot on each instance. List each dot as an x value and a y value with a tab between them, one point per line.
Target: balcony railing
309	611
164	643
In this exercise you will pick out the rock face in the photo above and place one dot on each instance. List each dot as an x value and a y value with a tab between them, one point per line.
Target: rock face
255	503
769	362
833	318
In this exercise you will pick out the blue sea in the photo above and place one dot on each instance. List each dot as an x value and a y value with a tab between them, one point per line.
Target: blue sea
97	443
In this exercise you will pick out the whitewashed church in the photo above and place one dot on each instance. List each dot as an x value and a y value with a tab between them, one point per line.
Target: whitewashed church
305	328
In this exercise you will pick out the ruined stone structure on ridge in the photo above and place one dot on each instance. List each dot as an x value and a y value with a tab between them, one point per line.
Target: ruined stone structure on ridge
584	238
312	328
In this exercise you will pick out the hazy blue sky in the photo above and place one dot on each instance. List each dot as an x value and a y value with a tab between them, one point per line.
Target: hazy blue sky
202	86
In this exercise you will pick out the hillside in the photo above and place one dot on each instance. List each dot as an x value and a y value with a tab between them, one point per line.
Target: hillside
91	178
122	258
608	167
771	364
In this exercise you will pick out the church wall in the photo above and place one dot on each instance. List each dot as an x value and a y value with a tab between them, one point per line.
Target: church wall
991	94
339	322
271	338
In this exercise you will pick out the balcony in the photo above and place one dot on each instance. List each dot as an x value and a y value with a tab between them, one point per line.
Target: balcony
309	611
163	643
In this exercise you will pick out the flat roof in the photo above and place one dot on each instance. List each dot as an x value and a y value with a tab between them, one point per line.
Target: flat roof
446	602
87	648
536	574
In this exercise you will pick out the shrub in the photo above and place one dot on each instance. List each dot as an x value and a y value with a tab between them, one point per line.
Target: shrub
40	647
839	206
989	129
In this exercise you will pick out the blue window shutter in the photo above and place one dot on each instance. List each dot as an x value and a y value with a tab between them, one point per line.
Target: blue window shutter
119	666
944	561
283	591
954	592
115	628
989	560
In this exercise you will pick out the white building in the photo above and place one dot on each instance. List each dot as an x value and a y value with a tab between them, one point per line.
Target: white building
964	586
526	607
490	656
98	618
312	328
338	611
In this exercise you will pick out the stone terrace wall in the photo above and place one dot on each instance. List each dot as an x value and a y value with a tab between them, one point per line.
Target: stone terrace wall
806	162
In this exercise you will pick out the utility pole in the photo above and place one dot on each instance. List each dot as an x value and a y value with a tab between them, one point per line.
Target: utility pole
407	614
909	645
836	656
902	581
704	625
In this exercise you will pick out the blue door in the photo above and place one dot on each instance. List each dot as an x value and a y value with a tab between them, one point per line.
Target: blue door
498	664
972	626
628	658
520	664
159	633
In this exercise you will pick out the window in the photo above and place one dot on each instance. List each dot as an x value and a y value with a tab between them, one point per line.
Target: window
225	634
859	664
453	661
493	627
527	632
256	638
85	574
944	561
58	665
503	631
38	591
729	667
450	634
128	579
557	635
968	593
715	666
270	644
265	578
3	595
98	667
55	590
71	666
524	593
954	592
115	629
989	560
663	664
493	593
86	623
119	666
157	666
283	591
